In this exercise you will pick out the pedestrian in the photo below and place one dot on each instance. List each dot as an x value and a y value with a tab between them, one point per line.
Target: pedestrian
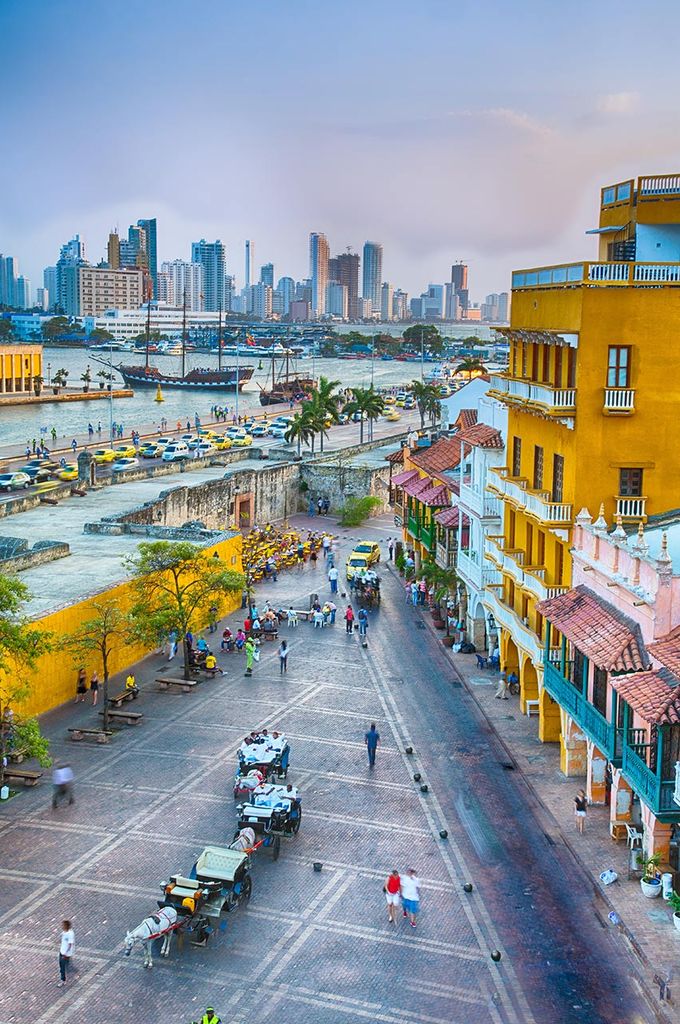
332	608
326	545
410	895
66	949
250	649
372	739
333	578
81	687
99	428
28	451
209	1017
53	432
580	806
300	556
414	593
90	431
513	680
502	690
74	445
62	783
349	619
283	656
313	558
363	622
94	688
33	445
319	506
212	623
391	888
173	644
390	548
422	591
310	509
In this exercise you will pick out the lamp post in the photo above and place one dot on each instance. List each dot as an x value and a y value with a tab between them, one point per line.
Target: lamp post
49	374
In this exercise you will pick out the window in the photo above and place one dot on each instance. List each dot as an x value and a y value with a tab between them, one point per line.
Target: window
558	479
571	368
558	367
538	468
618	366
511	528
630	483
516	456
540	548
529	544
535	353
545	376
559	563
577	670
600	690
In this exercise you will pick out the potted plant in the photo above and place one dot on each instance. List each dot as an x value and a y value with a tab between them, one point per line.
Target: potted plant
59	380
650	883
674	903
37	385
400	564
86	379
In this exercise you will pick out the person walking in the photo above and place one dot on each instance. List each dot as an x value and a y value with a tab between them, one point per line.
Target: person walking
81	688
212	623
66	949
172	639
390	548
53	433
94	688
502	690
62	784
283	656
410	895
392	888
333	579
349	619
580	807
74	445
363	622
209	1017
250	648
372	739
414	593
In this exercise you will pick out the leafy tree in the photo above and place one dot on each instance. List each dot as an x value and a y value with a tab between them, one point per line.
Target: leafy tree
327	401
100	636
356	510
56	326
442	581
60	377
471	365
424	336
100	334
315	417
175	585
368	403
6	329
21	645
425	395
299	430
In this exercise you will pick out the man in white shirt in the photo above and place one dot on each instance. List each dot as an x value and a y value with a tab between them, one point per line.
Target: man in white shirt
66	950
62	783
333	577
410	895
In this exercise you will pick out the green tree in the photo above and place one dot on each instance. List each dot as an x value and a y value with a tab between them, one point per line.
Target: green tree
368	403
60	377
425	336
327	401
442	581
99	334
356	510
299	430
175	584
425	395
99	636
316	418
471	365
21	645
6	329
56	326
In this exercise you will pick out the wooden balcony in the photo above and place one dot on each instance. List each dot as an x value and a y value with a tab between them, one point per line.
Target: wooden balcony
595	725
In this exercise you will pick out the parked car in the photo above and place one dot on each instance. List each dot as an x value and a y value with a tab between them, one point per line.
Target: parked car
103	455
369	548
242	440
223	443
260	430
165	441
14	481
278	430
176	451
356	563
205	448
122	464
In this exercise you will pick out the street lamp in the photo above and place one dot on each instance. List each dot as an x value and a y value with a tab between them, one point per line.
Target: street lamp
49	374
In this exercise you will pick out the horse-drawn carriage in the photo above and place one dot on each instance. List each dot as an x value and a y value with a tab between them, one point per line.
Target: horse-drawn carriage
366	587
273	813
264	758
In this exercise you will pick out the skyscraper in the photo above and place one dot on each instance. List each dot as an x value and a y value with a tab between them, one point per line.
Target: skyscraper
50	284
386	295
250	260
71	254
113	251
22	292
318	271
8	276
149	227
212	257
186	277
459	280
284	295
267	274
336	300
348	274
373	255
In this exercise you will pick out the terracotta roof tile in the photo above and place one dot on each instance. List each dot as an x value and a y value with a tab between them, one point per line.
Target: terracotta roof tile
610	639
466	418
396	458
435	496
482	436
401	478
448	516
416	485
667	650
655	696
438	457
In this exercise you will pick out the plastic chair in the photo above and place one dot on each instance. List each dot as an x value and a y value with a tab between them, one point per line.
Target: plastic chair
481	662
634	837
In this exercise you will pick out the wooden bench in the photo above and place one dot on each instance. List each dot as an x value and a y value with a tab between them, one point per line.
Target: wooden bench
16	756
533	706
131	693
270	634
102	735
304	615
165	682
129	717
28	777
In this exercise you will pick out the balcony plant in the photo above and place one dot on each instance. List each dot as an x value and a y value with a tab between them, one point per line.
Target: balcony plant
674	903
650	883
59	380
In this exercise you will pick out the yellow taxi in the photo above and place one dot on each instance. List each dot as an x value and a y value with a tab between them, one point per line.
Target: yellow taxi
210	435
389	400
392	416
125	451
222	443
241	440
370	549
101	455
355	564
68	472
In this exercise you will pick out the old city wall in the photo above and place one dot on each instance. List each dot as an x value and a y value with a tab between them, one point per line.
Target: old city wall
339	482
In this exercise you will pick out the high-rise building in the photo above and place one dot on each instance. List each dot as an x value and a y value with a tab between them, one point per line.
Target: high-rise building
71	255
166	288
250	260
22	293
260	300
433	302
150	230
503	307
386	296
452	308
364	309
299	310
400	307
113	251
8	276
334	270
459	280
348	274
336	300
132	250
186	278
91	291
303	291
267	274
50	284
373	258
212	257
285	290
318	271
229	292
42	299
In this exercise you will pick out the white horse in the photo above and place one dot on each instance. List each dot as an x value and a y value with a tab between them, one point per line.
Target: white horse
162	924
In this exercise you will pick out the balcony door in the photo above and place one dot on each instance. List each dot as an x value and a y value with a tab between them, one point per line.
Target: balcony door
600	690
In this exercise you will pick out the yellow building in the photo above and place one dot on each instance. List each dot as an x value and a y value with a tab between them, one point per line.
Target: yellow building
19	366
592	389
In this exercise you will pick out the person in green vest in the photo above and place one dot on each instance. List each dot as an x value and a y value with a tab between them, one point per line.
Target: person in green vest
250	649
209	1017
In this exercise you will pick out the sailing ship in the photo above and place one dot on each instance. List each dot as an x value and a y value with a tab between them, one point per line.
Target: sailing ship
224	378
286	388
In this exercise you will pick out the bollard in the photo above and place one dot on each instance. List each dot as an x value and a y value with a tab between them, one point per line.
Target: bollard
495	956
467	887
424	788
443	833
417	777
408	750
317	865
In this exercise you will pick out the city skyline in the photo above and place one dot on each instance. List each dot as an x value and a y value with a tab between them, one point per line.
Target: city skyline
348	161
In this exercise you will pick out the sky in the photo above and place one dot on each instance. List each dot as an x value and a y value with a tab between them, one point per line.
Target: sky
445	129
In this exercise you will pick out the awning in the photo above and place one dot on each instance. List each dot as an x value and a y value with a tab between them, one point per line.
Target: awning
607	637
529	337
401	478
448	517
652	695
605	231
435	496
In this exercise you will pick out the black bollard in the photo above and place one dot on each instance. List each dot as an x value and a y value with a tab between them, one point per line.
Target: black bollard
468	887
495	956
417	777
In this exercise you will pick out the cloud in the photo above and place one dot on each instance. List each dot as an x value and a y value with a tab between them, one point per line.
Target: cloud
618	103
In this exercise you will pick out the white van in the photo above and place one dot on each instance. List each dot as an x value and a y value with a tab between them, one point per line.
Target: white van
176	451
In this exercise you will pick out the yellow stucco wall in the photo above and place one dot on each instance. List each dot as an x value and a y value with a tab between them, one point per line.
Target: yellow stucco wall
54	681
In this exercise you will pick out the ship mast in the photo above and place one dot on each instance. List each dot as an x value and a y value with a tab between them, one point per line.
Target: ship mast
148	330
184	333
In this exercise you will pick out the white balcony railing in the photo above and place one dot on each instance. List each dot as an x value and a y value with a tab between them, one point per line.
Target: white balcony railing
470	569
534	582
495	478
445	557
506	618
631	508
493	549
512	564
479	502
536	503
676	791
659	185
560	400
619	400
567	275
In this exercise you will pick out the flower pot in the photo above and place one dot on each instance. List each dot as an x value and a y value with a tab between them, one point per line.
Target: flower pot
439	624
55	391
101	385
650	887
448	641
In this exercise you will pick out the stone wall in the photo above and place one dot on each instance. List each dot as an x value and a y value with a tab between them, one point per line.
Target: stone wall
337	482
15	554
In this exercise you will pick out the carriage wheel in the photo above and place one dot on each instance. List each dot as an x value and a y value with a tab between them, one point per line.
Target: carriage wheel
276	848
247	888
296	823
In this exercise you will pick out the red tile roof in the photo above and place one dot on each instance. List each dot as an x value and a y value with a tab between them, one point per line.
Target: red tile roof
667	650
438	457
652	695
597	629
401	478
396	457
448	516
416	485
435	496
466	418
482	436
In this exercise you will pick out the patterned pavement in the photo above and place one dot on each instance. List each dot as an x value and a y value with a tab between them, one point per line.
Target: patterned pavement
311	945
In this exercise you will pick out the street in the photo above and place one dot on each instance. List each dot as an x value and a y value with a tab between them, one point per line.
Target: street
312	944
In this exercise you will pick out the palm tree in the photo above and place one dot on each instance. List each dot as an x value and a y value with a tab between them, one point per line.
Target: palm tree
299	430
327	401
442	581
471	365
425	395
368	403
315	416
